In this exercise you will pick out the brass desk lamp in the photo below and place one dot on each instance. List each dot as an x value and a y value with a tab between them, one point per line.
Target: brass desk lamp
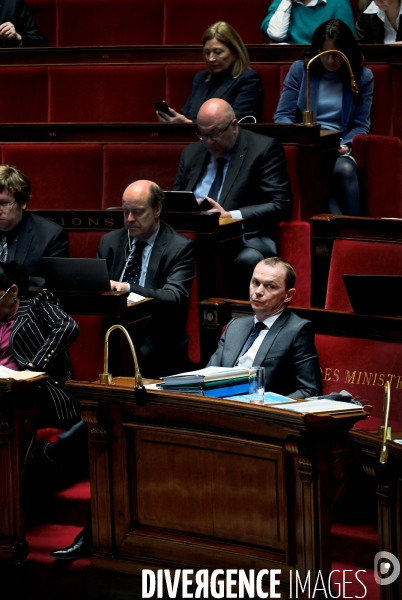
383	429
308	118
106	378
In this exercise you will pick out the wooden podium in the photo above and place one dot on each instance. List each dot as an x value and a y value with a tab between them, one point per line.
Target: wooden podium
17	432
194	482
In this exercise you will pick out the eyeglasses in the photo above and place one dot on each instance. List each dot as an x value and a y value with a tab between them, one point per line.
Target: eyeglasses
6	205
212	136
5	294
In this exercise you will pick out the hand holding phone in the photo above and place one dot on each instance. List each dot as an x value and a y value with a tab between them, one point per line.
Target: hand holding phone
162	107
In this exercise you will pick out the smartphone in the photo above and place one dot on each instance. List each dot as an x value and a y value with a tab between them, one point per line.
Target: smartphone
163	107
205	205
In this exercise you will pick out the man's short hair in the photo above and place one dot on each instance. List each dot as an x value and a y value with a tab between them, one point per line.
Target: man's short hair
290	274
156	196
15	182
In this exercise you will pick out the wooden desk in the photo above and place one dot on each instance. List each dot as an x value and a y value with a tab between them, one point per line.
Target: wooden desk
216	240
389	495
191	482
17	431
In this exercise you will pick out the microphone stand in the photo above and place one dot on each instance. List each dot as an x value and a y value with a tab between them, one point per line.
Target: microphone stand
308	118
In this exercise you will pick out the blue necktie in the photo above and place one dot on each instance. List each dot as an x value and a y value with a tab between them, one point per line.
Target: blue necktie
258	327
132	273
217	182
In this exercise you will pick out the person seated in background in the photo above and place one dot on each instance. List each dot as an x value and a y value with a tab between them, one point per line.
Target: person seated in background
35	335
243	175
148	257
26	237
228	76
379	22
294	21
275	338
17	27
333	103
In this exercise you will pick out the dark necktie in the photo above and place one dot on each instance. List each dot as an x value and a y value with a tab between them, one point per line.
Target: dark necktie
132	273
217	182
3	248
258	327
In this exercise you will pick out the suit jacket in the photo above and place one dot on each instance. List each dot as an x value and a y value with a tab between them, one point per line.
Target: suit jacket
256	181
41	334
168	280
17	13
244	93
292	103
287	352
39	237
370	28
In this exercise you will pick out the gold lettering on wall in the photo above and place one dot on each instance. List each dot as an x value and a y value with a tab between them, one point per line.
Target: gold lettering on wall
351	377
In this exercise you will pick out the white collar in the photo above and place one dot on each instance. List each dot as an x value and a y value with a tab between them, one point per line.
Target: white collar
373	9
312	3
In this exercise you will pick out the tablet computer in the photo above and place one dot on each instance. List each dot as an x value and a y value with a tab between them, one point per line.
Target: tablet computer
375	294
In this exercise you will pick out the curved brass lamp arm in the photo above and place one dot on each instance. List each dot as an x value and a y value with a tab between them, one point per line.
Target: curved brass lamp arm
308	118
387	404
106	377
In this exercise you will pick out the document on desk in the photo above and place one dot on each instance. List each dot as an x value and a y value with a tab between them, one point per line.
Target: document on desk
6	373
270	398
132	298
319	406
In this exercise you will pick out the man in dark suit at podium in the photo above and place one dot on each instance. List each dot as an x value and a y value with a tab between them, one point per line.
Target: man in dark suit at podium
148	257
26	237
17	27
243	175
275	338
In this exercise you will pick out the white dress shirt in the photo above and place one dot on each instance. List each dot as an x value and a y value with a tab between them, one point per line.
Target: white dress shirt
279	23
389	31
247	359
146	253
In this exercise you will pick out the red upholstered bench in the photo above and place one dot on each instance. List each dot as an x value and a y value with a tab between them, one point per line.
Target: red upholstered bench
379	159
24	94
44	15
105	93
362	366
185	22
125	163
62	175
106	23
270	77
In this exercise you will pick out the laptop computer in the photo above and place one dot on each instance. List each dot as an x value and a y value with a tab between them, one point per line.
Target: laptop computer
80	274
375	294
184	201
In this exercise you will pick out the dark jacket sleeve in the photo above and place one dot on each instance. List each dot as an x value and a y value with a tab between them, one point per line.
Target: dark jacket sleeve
174	293
62	329
305	363
25	26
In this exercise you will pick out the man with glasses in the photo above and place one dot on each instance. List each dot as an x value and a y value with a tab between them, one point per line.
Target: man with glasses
26	237
243	175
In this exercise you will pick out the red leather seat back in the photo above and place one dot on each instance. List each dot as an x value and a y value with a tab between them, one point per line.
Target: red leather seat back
84	244
179	79
295	247
185	22
98	93
381	117
62	175
193	318
106	23
86	352
349	257
270	77
44	15
125	163
362	367
379	159
24	93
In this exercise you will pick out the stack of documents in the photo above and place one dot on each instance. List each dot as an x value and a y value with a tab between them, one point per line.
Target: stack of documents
211	381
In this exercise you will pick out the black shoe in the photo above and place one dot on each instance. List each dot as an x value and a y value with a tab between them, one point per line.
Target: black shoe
80	548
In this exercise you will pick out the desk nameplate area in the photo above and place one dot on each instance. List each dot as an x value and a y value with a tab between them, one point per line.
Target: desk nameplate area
194	482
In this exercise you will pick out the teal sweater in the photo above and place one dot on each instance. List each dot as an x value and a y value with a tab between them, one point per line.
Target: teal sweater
304	20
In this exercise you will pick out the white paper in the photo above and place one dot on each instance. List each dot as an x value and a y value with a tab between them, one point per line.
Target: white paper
319	406
6	373
132	298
